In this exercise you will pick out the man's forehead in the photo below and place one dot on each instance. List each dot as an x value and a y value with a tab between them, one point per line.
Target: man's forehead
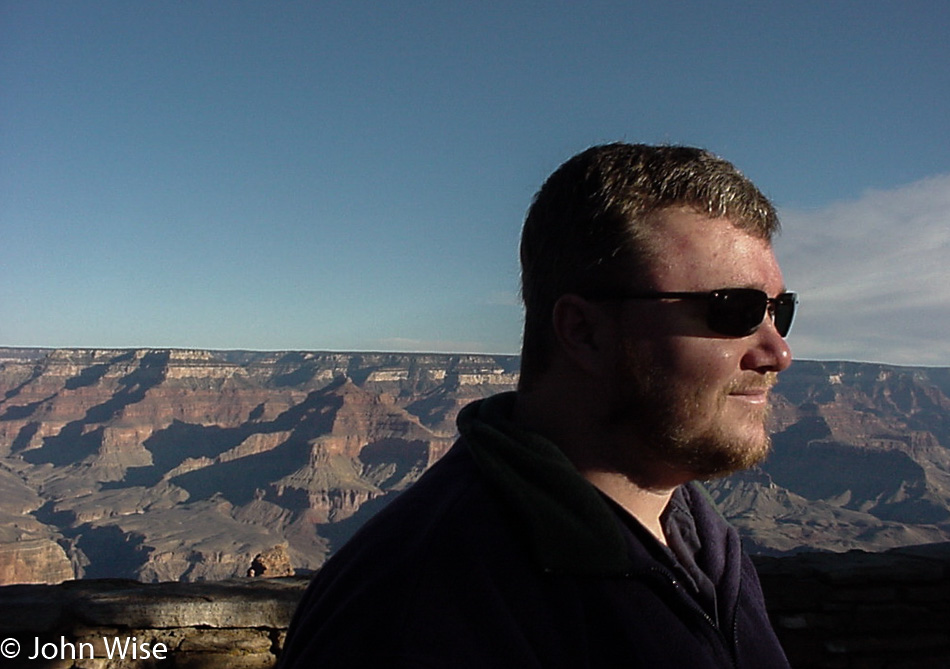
685	244
684	228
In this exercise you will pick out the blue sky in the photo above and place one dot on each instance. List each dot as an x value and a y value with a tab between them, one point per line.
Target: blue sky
354	175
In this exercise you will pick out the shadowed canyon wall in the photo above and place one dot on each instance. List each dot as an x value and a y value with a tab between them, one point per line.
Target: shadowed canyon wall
164	465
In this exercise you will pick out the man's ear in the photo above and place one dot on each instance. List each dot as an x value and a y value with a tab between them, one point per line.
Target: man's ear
582	330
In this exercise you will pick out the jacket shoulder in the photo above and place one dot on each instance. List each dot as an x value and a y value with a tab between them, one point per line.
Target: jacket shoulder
397	580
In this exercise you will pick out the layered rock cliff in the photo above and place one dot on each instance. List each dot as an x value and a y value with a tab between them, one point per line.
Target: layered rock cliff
168	465
184	465
861	460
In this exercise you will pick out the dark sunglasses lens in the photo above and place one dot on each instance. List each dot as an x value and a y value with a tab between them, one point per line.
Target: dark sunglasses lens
737	312
785	312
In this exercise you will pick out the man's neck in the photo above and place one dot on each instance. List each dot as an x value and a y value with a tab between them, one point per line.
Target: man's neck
645	505
644	495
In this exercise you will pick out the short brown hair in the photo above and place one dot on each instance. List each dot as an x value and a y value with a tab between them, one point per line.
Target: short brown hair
588	218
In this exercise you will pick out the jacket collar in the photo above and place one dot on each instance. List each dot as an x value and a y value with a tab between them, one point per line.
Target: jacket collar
578	533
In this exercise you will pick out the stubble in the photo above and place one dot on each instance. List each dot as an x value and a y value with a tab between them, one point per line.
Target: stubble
688	428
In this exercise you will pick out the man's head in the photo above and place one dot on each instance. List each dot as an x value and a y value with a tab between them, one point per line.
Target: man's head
589	222
618	221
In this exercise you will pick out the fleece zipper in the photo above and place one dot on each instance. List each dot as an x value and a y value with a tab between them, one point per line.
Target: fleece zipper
667	578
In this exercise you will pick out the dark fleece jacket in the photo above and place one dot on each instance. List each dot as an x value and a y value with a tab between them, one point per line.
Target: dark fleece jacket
501	555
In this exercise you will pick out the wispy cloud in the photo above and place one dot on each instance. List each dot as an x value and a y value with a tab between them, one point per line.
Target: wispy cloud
873	276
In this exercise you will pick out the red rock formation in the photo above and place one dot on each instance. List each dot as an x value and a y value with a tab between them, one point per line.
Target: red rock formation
186	464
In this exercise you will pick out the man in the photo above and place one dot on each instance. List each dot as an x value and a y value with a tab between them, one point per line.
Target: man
563	528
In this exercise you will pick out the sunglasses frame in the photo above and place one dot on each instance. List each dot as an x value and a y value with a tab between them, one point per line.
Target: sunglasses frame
721	317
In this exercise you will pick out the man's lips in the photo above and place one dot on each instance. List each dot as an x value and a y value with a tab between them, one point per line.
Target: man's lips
751	395
754	393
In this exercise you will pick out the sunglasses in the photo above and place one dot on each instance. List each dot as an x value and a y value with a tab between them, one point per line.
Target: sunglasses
734	312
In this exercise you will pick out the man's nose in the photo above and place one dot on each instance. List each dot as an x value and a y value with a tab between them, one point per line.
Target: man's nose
768	350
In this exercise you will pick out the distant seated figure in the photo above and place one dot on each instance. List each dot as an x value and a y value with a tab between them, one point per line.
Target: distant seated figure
565	527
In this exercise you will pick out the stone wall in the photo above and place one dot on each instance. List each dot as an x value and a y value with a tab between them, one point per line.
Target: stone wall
234	624
860	610
852	610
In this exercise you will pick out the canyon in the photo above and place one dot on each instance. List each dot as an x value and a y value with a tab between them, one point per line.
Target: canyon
180	465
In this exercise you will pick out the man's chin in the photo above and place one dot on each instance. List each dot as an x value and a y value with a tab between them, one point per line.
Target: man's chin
718	458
